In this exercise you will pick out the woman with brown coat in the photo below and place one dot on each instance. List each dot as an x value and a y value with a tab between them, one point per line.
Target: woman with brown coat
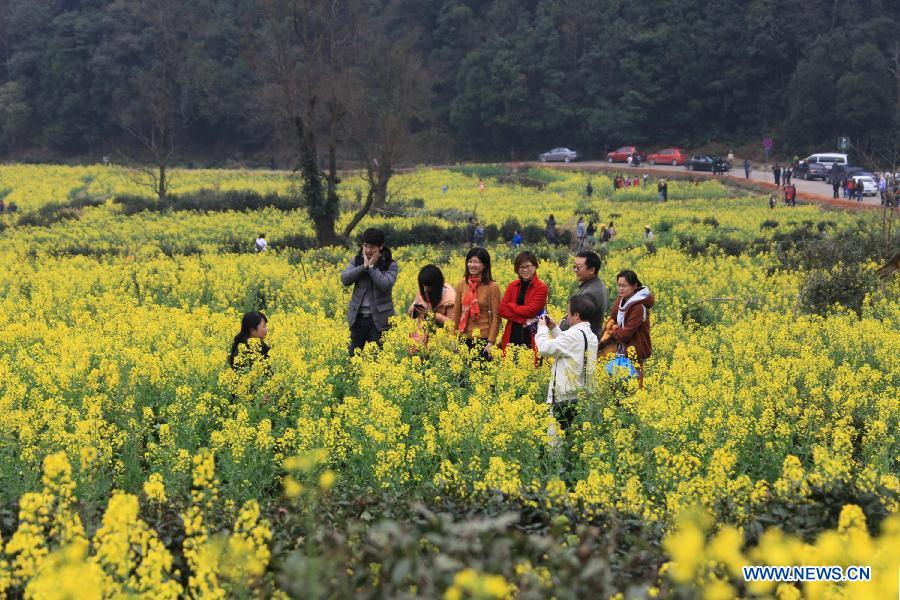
631	316
477	303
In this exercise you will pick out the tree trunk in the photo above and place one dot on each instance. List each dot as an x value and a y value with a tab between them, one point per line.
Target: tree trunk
321	212
362	212
162	183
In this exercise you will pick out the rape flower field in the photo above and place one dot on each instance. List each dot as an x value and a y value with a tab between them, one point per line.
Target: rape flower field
134	462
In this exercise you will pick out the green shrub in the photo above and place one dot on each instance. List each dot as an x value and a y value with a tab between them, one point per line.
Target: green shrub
846	285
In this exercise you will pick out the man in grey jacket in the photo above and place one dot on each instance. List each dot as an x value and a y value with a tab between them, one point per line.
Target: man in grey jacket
587	265
372	273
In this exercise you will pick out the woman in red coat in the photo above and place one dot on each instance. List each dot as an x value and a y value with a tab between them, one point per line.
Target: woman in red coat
631	316
524	299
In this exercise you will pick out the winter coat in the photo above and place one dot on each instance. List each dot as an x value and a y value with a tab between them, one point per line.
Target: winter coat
378	282
632	318
535	302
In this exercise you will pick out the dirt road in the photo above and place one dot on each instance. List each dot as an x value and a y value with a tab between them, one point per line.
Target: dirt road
761	180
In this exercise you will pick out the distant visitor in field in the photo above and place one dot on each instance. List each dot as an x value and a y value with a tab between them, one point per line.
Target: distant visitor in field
516	240
372	273
261	245
432	305
550	231
524	300
631	313
478	235
254	326
580	233
477	303
575	351
587	268
648	239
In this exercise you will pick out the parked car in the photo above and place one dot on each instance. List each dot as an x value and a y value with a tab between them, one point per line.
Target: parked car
870	188
827	159
559	154
668	156
705	162
840	172
811	170
622	154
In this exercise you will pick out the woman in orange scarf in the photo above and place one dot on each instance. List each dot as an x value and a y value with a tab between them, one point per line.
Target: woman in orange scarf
477	303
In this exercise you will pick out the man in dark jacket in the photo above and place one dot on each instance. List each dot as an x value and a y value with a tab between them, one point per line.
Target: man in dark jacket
372	273
587	265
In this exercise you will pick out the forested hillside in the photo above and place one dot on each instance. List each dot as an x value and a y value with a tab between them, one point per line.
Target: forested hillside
213	80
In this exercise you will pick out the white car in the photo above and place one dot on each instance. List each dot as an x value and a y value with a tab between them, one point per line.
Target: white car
870	188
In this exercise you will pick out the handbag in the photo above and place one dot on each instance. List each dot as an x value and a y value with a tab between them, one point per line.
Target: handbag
621	364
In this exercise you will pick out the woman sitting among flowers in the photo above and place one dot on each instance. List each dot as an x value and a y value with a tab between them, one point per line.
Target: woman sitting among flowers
477	303
254	326
631	319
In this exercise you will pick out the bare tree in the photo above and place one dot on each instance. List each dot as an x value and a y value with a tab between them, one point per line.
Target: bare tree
394	103
155	108
304	52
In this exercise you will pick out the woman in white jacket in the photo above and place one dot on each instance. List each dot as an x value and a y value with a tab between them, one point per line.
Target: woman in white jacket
575	351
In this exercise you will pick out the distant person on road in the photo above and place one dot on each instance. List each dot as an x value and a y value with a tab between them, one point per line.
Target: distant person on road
730	155
788	172
851	188
859	191
836	187
882	188
844	189
776	173
747	168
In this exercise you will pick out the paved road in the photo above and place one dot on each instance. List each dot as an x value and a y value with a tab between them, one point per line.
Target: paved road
807	191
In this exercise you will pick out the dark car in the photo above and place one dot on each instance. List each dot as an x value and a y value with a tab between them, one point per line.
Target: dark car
810	171
705	162
559	154
841	172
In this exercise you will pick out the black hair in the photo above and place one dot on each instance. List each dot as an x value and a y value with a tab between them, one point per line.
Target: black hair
373	236
630	276
485	258
591	260
431	284
583	306
249	322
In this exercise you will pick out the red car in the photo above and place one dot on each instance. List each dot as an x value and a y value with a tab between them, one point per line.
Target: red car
622	154
668	156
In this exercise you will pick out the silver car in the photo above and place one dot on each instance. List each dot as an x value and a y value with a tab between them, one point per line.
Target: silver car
559	154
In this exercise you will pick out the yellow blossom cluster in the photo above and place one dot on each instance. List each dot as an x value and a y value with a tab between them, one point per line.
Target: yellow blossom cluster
114	333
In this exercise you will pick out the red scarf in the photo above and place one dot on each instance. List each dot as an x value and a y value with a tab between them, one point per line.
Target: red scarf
470	306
